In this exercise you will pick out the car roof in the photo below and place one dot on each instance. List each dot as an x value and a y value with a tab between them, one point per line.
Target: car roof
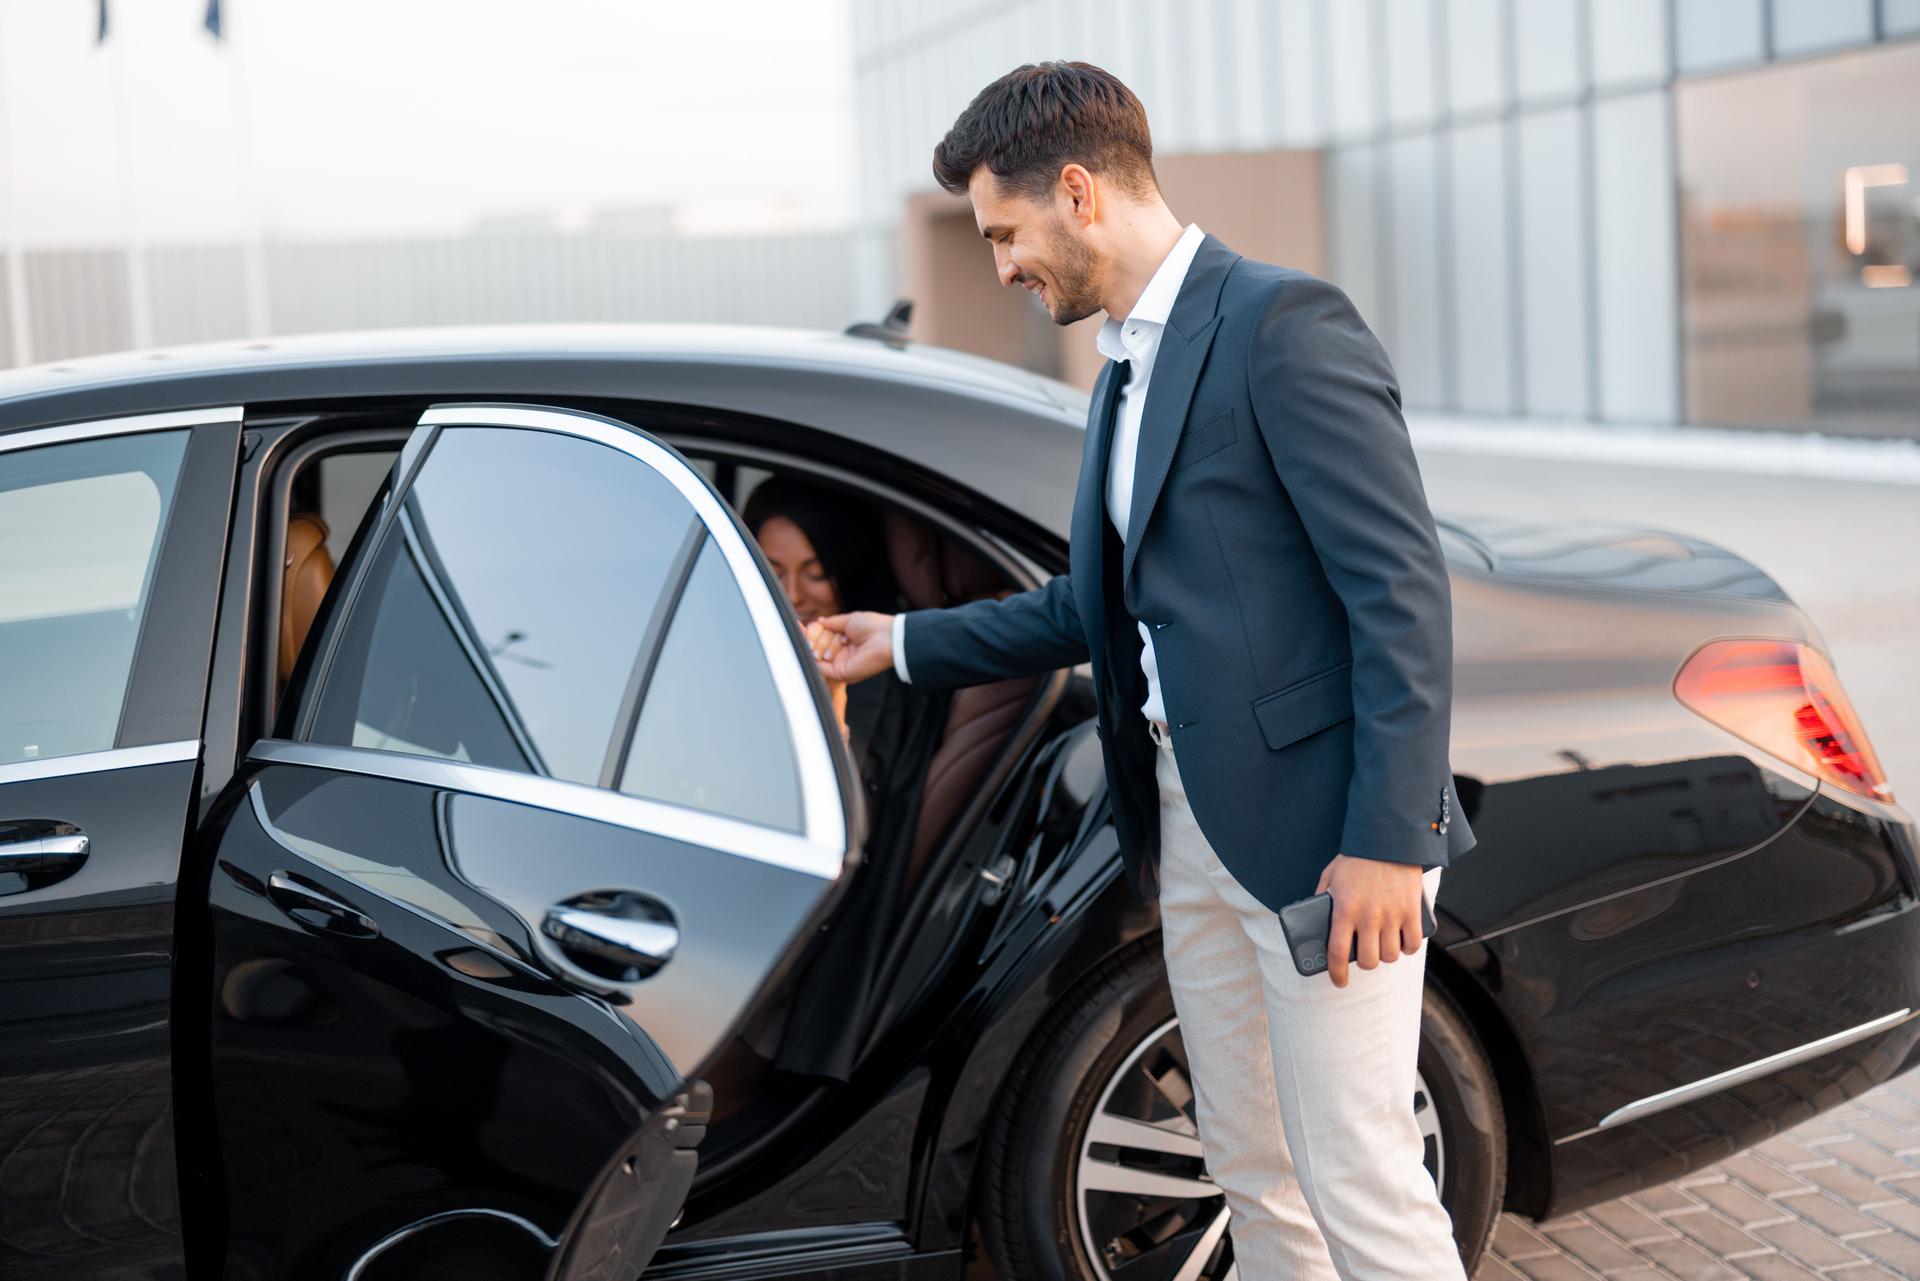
999	430
753	344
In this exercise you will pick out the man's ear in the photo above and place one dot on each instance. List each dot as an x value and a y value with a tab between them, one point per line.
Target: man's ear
1079	194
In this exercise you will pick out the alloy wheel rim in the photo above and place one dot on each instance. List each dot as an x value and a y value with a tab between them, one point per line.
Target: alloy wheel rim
1140	1183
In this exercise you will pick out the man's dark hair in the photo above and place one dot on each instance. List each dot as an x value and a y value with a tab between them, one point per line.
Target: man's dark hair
1037	118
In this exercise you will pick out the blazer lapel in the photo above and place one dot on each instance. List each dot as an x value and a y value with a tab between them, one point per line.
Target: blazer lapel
1086	549
1176	372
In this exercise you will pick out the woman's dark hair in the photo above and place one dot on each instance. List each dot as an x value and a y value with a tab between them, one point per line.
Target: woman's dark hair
845	532
1032	122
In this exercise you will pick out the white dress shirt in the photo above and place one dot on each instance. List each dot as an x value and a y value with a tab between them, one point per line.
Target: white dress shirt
1135	339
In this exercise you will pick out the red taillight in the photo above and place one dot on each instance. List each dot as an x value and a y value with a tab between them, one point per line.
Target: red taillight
1784	698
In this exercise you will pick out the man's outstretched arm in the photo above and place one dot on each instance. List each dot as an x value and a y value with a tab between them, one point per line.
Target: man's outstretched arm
990	640
984	640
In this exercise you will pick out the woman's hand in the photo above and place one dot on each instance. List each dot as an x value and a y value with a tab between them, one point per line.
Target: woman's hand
867	639
827	645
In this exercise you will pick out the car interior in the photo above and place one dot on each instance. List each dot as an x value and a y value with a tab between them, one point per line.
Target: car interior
320	491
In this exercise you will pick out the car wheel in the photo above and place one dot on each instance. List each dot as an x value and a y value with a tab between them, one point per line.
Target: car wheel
1094	1164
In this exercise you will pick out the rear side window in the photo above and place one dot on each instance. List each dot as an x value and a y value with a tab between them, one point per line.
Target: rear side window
81	525
506	605
711	734
519	613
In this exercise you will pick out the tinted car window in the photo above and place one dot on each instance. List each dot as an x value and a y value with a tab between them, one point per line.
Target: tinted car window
80	533
712	735
505	608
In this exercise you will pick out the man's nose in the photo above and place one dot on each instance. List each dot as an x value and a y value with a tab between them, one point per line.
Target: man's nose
1005	266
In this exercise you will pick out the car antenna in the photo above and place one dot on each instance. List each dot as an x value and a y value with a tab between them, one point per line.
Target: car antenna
892	330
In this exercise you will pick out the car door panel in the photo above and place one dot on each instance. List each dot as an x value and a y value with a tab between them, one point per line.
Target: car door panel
460	859
105	622
457	975
376	1075
386	840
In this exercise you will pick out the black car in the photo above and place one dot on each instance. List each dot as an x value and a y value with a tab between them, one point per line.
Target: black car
414	789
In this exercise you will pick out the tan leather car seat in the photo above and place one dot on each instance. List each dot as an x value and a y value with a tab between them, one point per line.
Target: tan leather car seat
933	572
304	575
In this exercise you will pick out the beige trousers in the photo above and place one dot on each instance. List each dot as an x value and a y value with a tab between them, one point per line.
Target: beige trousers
1303	1090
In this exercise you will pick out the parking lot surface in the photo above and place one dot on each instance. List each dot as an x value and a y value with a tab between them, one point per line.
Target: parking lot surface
1837	1196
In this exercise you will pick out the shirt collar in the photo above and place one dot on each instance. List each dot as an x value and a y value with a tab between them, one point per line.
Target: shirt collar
1157	299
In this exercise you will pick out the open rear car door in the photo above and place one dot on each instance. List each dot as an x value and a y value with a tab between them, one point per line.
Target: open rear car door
552	806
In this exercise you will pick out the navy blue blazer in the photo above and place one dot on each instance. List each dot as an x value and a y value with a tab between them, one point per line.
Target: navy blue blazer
1284	555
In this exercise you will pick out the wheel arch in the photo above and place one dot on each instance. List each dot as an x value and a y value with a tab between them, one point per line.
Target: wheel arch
995	1167
1529	1151
1015	998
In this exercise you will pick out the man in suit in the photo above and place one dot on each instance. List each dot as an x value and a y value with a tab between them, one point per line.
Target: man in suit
1257	582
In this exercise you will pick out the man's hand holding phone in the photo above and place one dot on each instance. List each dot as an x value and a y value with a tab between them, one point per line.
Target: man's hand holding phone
1377	901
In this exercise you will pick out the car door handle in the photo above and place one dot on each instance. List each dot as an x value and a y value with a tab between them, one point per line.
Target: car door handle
318	910
37	852
621	937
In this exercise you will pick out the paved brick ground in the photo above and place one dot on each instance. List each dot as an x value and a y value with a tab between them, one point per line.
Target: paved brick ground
1837	1196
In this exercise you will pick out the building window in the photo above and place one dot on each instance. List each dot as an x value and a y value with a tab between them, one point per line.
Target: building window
1800	217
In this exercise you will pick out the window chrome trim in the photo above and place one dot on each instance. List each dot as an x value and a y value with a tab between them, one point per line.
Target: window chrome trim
696	827
1641	1108
113	758
123	426
359	1266
988	546
823	819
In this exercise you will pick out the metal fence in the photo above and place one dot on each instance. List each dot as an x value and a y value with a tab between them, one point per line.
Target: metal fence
80	301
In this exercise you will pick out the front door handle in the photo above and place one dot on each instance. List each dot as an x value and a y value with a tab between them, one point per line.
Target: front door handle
318	910
615	935
38	852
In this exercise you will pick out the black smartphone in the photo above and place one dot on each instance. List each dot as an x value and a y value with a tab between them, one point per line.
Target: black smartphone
1308	922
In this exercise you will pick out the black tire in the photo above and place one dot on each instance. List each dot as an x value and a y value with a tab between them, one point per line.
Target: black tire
1472	1122
1028	1199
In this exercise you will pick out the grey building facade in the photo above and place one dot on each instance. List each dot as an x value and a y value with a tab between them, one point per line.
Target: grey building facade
1611	210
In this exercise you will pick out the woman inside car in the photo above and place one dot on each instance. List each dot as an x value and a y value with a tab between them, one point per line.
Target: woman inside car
828	552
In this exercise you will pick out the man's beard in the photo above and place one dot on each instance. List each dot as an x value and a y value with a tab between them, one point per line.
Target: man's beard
1074	267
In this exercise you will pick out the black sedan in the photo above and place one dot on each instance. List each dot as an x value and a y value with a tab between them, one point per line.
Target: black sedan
418	810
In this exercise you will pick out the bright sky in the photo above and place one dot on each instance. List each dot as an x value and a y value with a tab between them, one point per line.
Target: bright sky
383	116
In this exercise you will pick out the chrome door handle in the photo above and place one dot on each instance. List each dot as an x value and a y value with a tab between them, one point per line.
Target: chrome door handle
318	910
38	852
618	937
